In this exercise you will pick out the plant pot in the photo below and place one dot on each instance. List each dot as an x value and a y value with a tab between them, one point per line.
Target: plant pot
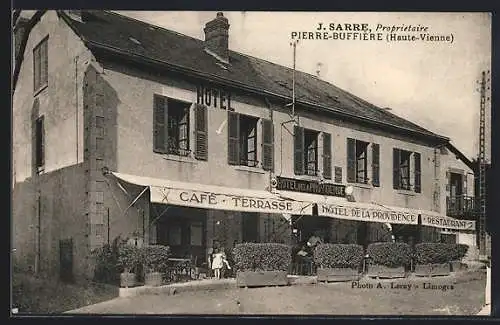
337	274
382	271
127	279
261	278
153	279
456	266
435	269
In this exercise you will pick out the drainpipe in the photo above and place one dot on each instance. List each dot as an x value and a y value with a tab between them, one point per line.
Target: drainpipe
76	104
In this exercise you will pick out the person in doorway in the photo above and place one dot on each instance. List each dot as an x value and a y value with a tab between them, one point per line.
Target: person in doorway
217	263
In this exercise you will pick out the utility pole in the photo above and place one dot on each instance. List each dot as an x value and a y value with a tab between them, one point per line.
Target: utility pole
484	88
293	43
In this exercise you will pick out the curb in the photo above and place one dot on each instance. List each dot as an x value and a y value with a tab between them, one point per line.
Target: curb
171	289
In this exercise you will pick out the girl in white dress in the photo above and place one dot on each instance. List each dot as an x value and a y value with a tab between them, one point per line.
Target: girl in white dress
217	263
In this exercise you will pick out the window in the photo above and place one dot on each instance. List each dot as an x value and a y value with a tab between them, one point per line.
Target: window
171	126
248	141
306	152
40	65
40	143
405	165
357	162
242	141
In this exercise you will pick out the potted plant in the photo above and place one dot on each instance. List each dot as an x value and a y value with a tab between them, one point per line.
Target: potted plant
338	262
261	264
433	259
128	258
388	260
155	259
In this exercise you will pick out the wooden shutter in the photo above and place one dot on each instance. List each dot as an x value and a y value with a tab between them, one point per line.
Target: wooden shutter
44	64
375	165
233	143
298	148
36	69
267	145
201	126
418	184
327	155
351	160
160	115
40	142
395	168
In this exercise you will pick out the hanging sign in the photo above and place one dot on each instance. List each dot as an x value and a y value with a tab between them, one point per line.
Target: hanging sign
441	221
299	185
371	214
227	201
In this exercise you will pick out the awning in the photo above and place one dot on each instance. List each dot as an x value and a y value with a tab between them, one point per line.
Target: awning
215	197
435	219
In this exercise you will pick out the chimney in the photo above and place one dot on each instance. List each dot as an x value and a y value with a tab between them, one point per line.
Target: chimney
19	34
217	37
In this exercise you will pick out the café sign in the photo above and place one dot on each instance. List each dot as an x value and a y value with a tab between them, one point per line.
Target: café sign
313	187
227	201
374	214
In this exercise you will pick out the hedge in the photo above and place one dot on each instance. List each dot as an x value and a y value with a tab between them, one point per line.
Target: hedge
262	257
155	257
390	254
128	257
435	253
338	255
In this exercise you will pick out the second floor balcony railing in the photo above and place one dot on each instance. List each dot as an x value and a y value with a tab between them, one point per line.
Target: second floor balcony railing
460	206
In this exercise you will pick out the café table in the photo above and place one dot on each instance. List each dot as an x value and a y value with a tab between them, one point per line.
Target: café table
179	266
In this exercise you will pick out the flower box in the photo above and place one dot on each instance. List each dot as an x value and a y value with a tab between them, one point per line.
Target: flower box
153	279
337	274
381	271
434	269
457	266
127	279
261	278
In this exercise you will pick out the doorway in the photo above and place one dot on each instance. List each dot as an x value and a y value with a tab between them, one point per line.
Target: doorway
250	227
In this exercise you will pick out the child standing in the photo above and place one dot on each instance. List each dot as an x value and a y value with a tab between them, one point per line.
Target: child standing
217	262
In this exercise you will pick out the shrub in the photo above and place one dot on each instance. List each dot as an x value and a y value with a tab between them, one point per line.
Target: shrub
390	254
128	257
429	253
338	255
262	257
459	251
155	257
106	262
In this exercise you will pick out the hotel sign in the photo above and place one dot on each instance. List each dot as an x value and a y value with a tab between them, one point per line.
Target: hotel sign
298	185
227	201
341	211
213	97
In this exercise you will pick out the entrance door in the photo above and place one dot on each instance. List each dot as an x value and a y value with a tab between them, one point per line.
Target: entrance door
66	260
250	227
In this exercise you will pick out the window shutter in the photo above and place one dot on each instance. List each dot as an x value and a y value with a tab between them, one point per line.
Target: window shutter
447	181
298	146
201	126
375	165
233	143
160	113
267	145
395	168
327	155
42	141
44	64
36	69
351	160
418	184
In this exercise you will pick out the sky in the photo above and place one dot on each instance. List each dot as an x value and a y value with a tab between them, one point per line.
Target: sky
433	84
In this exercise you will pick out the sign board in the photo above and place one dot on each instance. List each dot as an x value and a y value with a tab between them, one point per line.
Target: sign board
227	201
441	221
213	97
370	214
299	185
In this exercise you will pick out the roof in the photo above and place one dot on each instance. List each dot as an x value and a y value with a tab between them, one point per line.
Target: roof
459	155
121	35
